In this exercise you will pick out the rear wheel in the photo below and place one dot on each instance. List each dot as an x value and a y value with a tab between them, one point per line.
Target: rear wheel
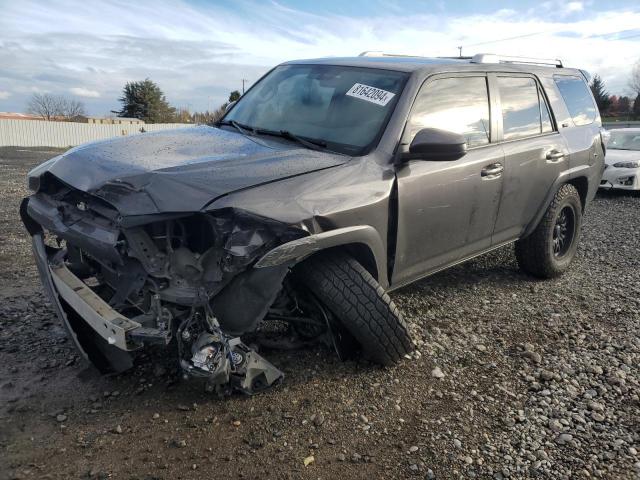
549	250
360	304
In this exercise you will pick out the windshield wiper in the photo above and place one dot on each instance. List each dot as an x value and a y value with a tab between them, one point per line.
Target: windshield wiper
310	143
249	131
245	130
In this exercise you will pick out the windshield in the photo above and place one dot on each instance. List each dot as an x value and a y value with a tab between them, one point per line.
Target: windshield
624	141
345	108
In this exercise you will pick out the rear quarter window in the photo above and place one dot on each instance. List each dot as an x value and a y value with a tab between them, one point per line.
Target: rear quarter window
578	99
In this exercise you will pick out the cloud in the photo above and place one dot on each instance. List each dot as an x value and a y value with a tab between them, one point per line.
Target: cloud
571	7
4	94
84	92
198	52
560	8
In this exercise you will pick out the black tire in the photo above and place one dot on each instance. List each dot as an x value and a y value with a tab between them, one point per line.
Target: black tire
354	297
544	254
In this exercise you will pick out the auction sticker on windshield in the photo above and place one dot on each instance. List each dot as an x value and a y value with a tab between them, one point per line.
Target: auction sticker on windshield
371	94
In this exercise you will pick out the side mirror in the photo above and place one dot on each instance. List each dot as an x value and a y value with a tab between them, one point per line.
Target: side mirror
229	106
436	144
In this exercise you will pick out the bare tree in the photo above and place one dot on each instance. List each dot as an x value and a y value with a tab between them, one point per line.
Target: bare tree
634	81
55	107
72	109
45	105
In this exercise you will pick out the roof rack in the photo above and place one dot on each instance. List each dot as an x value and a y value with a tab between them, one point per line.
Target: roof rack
477	58
493	58
377	53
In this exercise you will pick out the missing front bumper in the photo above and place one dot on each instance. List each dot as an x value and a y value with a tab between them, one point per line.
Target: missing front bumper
105	337
109	324
93	346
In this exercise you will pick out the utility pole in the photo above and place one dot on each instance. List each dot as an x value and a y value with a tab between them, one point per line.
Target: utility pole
460	52
243	80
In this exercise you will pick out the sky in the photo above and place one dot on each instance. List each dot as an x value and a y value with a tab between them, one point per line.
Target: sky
198	51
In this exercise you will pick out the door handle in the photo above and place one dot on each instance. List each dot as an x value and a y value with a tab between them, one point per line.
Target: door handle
492	171
554	155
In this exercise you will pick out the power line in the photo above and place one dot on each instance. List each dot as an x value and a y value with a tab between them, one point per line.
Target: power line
497	41
504	39
539	33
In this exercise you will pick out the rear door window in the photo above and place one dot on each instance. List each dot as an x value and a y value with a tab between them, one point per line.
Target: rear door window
524	109
578	99
520	107
459	105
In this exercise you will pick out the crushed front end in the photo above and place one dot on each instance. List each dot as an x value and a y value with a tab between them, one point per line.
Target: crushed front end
185	280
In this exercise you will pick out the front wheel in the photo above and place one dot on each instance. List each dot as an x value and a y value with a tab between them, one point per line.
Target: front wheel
354	297
549	250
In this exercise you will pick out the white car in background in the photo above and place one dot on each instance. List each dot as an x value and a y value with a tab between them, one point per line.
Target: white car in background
622	161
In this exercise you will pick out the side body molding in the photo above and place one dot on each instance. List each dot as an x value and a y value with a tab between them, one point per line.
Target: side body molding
297	250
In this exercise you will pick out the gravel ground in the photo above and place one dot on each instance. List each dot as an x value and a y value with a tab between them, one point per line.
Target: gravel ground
513	378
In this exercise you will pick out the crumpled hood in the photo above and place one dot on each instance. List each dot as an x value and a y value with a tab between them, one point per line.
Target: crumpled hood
180	170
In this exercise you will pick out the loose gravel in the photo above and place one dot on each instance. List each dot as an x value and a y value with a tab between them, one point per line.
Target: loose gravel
513	378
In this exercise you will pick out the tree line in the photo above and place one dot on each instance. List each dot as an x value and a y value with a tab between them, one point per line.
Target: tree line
624	106
143	100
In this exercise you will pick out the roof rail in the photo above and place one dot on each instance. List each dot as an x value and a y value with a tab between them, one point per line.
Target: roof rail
493	58
377	53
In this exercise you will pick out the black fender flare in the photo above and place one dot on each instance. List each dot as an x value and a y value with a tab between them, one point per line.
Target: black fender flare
297	250
572	174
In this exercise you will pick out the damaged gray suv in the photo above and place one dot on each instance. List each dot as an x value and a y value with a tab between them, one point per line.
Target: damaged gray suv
329	183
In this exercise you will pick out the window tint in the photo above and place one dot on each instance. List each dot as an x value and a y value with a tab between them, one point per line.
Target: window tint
520	107
459	105
577	98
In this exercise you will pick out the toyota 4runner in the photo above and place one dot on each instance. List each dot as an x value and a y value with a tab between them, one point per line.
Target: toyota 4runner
329	183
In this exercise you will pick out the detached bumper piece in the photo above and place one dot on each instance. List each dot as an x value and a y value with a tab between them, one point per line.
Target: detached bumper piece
229	365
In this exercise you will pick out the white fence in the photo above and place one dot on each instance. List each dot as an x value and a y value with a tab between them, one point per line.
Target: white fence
36	133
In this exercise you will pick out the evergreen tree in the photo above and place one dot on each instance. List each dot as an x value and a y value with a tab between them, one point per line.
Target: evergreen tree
145	100
634	81
599	93
636	107
624	105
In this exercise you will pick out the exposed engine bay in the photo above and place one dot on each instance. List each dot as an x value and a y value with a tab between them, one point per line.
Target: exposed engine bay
185	280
